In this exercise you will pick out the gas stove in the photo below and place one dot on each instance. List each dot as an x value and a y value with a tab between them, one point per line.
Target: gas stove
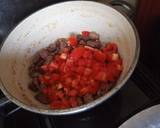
140	91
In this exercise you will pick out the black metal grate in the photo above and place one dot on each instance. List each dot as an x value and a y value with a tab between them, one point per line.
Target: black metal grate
146	82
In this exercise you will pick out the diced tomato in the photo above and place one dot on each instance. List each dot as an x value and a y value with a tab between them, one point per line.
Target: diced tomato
65	103
63	56
81	62
68	81
88	62
96	67
87	71
66	68
119	67
72	93
87	54
84	91
73	102
85	33
99	56
60	94
77	53
54	78
101	76
110	47
72	40
74	83
62	67
115	56
119	61
44	79
56	105
93	89
113	72
59	104
108	56
66	90
80	69
53	65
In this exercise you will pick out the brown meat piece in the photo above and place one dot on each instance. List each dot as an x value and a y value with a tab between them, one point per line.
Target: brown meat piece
52	47
34	74
39	63
42	98
67	49
36	58
35	85
48	59
61	44
103	89
94	44
80	101
34	69
33	88
85	38
88	98
93	36
44	53
82	42
31	69
79	37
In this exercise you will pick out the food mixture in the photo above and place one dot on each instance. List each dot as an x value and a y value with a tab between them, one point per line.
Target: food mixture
74	71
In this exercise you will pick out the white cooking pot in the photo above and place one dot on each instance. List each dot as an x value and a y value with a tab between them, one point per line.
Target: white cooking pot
59	20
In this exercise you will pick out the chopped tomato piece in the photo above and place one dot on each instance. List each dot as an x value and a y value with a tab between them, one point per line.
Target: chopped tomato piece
60	94
63	56
108	56
72	40
54	78
110	47
73	93
44	79
93	89
84	91
85	33
81	62
77	53
115	56
53	65
80	69
87	54
87	71
59	104
99	56
74	83
101	76
73	102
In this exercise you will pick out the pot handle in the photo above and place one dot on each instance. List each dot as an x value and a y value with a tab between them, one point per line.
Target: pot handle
7	107
124	6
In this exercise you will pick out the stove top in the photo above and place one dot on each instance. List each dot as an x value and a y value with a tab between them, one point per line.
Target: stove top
139	92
